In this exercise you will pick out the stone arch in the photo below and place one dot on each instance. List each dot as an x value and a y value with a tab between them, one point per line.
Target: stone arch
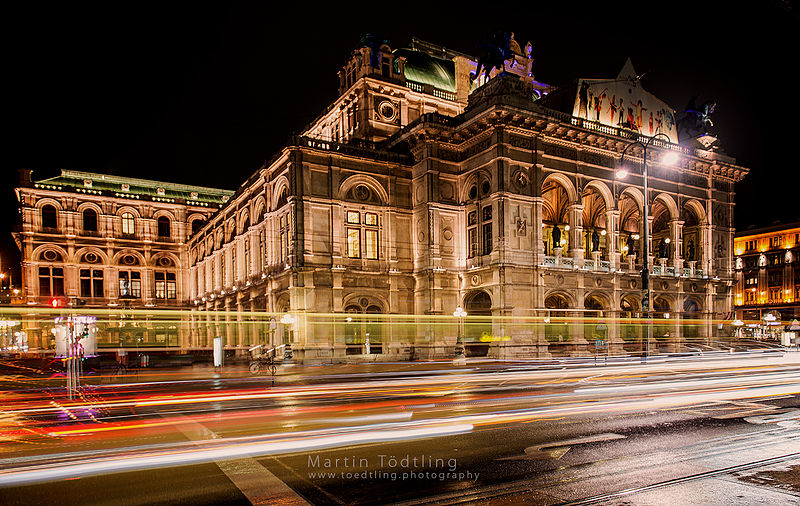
563	181
595	206
163	212
634	193
595	305
630	205
86	225
117	259
662	303
192	219
692	305
663	211
39	250
696	208
230	229
364	302
669	203
603	302
478	323
91	249
557	299
243	220
475	179
478	303
154	260
603	190
629	303
90	205
128	209
351	182
280	185
48	201
283	303
694	218
259	209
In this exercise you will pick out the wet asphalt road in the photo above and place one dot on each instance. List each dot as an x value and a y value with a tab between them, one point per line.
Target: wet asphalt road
667	434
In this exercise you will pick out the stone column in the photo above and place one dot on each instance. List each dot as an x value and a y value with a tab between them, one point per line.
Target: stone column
676	235
705	241
612	238
576	246
536	232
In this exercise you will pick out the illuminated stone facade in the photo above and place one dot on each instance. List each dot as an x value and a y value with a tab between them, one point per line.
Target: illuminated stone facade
417	192
95	240
767	272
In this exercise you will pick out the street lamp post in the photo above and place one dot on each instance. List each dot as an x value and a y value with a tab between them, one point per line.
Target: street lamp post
459	313
288	320
670	158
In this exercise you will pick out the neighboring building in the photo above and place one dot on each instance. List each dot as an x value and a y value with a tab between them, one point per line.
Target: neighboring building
96	240
417	192
768	273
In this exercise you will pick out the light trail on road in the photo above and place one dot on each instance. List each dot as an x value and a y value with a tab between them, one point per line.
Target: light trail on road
248	422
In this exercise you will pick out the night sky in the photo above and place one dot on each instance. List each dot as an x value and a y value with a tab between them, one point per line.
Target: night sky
203	95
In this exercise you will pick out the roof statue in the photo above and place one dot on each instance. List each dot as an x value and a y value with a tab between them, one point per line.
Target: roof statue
695	122
374	42
494	53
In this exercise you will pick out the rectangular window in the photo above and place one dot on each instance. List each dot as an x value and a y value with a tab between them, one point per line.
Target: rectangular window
91	282
261	251
284	237
130	284
353	243
233	264
472	218
487	213
51	281
371	244
172	286
353	217
472	240
370	219
161	285
128	224
486	231
166	287
247	256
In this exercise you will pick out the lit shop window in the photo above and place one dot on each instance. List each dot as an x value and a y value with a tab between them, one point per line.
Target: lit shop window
362	235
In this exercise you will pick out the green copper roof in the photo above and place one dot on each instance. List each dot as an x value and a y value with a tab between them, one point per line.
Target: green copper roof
423	68
134	186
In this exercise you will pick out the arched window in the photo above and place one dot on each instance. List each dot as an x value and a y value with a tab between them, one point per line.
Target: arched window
89	220
49	217
163	226
128	224
283	198
197	224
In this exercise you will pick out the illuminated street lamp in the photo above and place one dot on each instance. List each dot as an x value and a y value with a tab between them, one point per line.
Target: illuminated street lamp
460	314
669	158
